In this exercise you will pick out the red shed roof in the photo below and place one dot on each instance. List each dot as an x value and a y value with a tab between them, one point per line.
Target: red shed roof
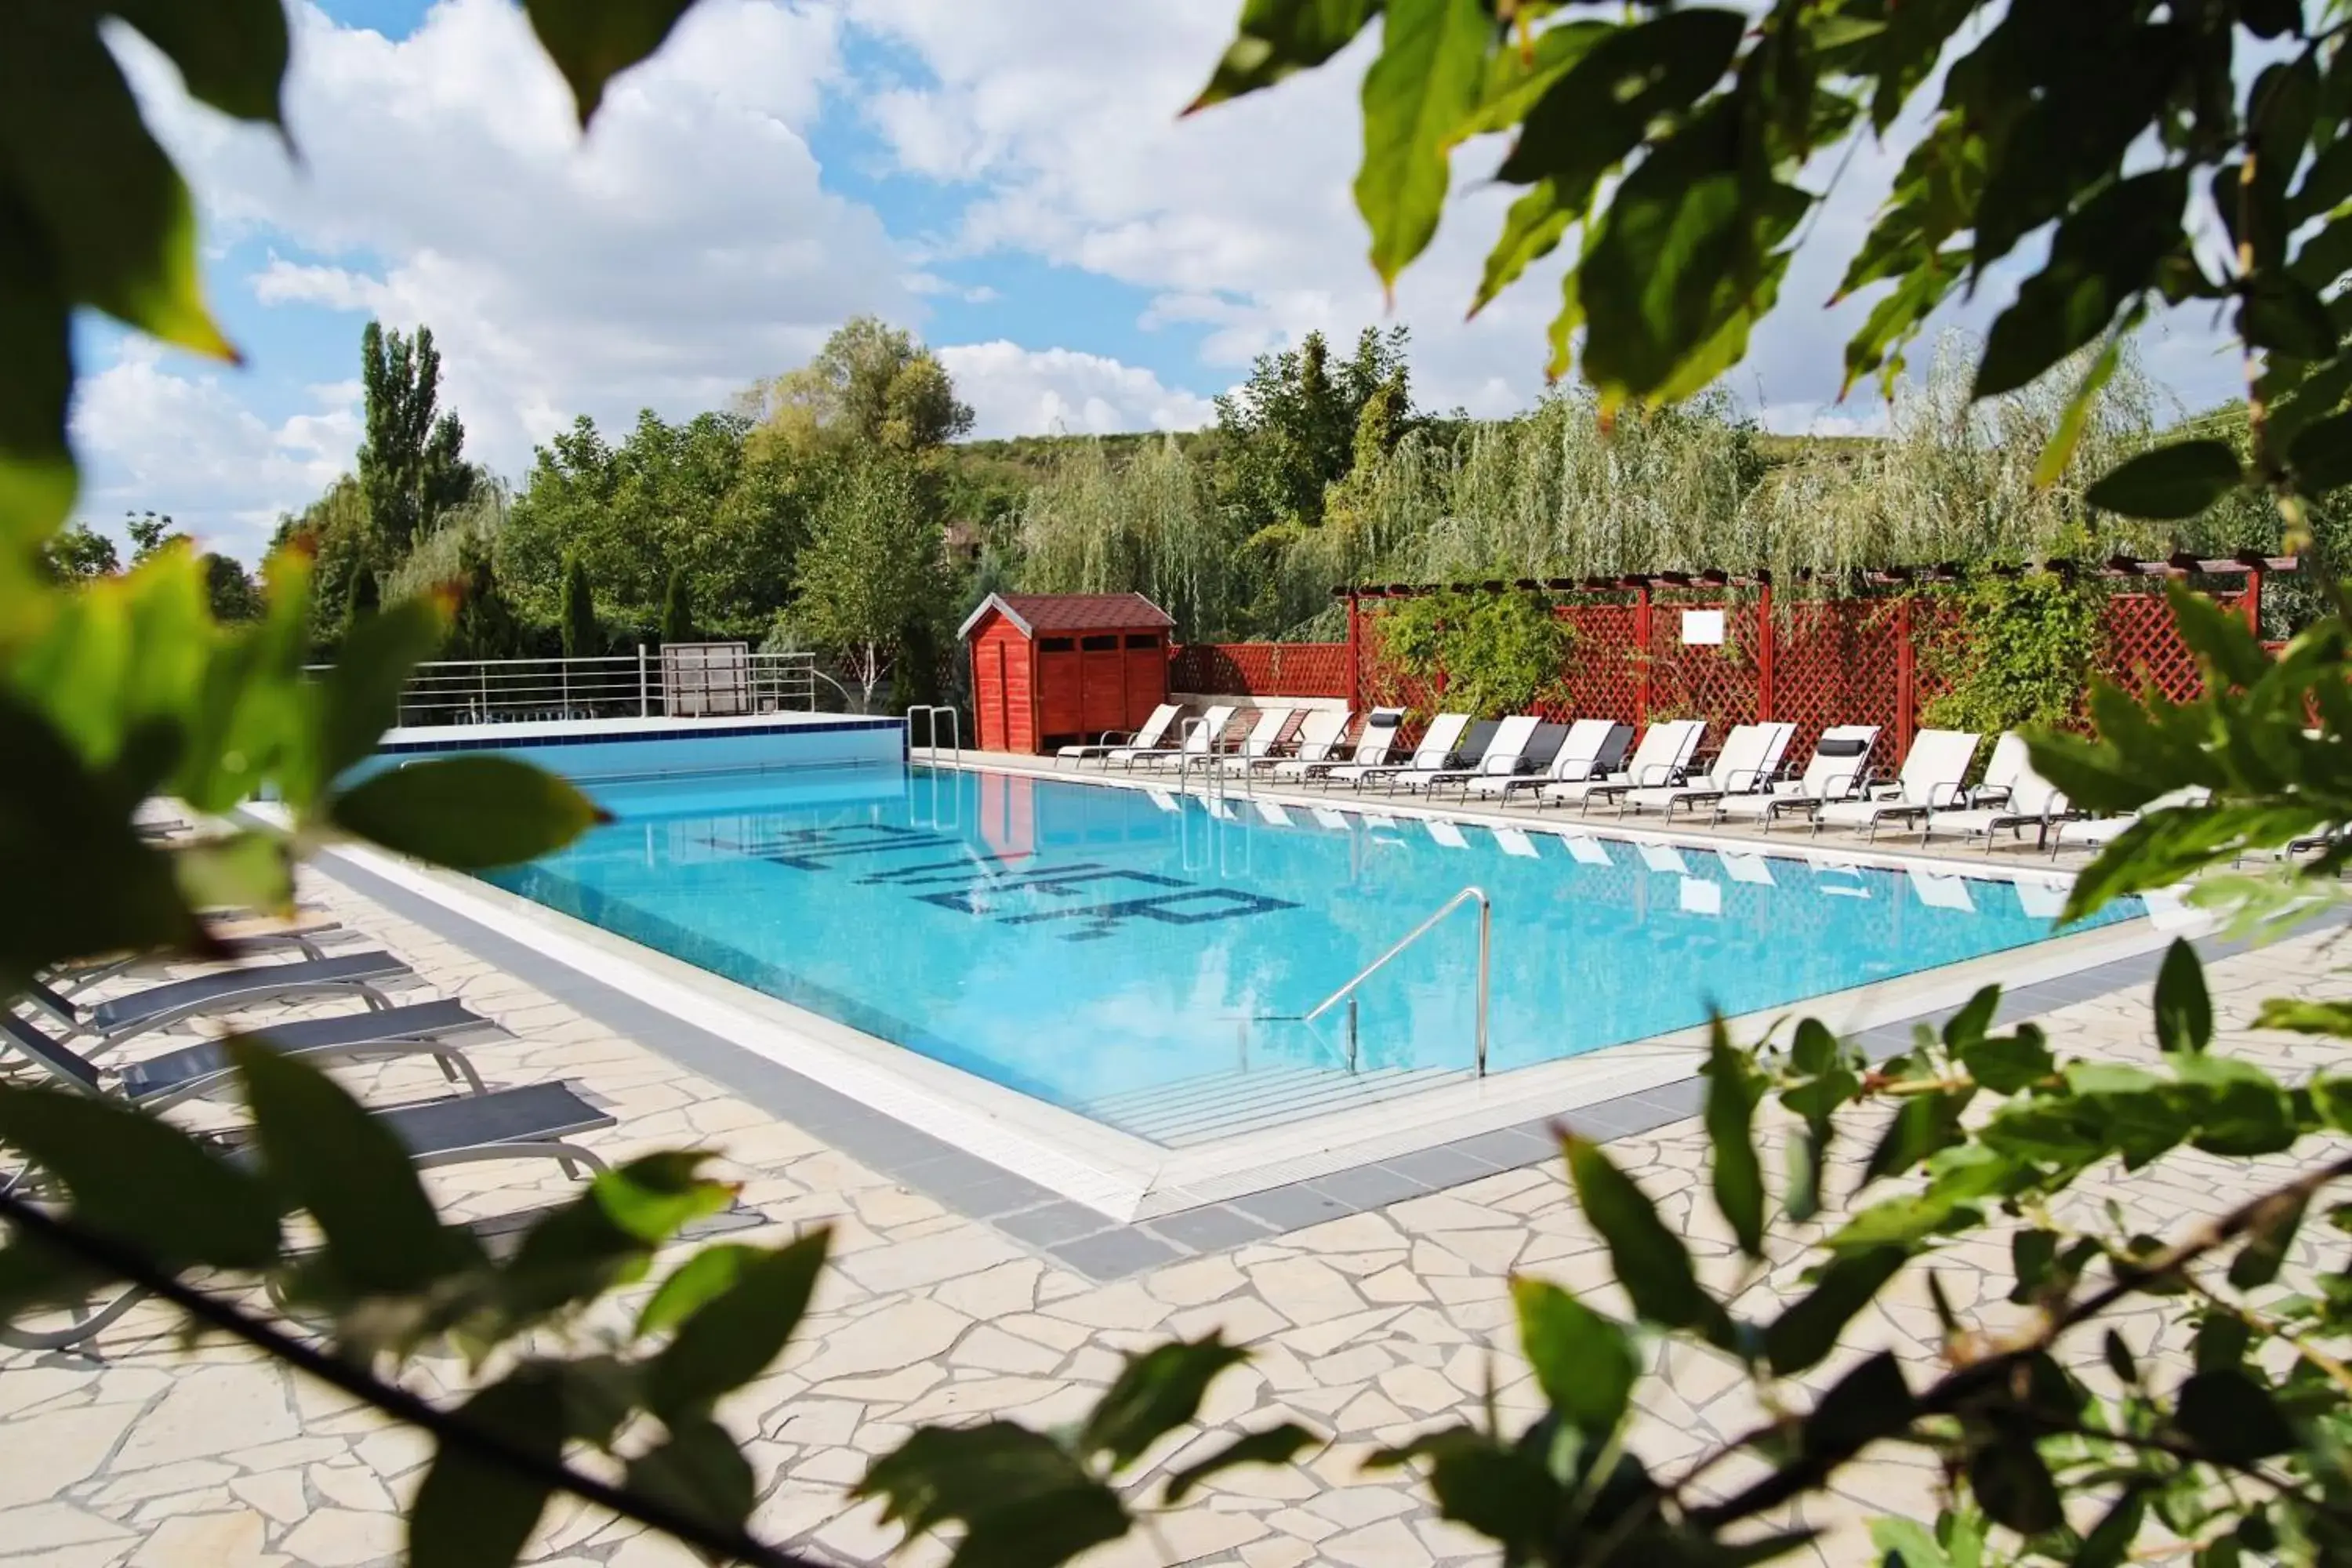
1035	613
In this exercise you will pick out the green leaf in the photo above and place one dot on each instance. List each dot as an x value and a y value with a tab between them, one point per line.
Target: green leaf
2258	1263
1156	1392
1277	37
142	1181
1924	1123
730	1339
2058	452
709	1273
37	472
1532	229
593	41
466	812
474	1512
699	1470
2170	482
1416	97
1802	1336
329	1156
1517	78
2007	1064
2104	255
2184	1013
231	53
1596	112
1021	1497
1905	1542
606	1236
1583	1362
2302	1017
107	206
2031	1254
2231	1418
2013	1485
1967	1026
2222	1341
1274	1445
2321	452
1506	1493
2119	1357
2218	636
1870	1402
2284	315
1734	1087
360	697
1650	1260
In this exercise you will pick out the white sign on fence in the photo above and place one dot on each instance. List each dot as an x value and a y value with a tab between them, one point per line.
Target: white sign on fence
1702	628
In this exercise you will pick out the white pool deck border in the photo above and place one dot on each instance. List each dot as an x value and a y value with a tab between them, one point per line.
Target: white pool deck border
1130	1179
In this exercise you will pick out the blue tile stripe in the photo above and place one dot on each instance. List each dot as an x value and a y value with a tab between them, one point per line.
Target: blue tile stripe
611	738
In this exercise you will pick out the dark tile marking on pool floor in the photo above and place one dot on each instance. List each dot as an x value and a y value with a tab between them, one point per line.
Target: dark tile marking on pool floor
1079	1237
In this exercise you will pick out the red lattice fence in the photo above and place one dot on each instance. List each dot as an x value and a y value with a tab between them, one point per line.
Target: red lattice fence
1859	660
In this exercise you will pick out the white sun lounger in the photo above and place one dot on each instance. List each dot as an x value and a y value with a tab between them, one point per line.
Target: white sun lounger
1201	742
1148	738
1505	756
1747	763
1372	748
1436	751
2097	832
1319	737
2011	795
1594	748
1839	769
1931	777
1665	752
1264	734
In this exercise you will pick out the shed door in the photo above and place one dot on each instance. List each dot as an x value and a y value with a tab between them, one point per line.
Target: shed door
1146	657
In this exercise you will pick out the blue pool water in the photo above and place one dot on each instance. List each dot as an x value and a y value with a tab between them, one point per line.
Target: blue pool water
1094	947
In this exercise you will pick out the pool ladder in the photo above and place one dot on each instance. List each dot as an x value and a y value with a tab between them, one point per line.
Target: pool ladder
1347	993
930	712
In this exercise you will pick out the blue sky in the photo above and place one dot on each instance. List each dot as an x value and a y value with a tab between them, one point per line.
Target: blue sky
1007	177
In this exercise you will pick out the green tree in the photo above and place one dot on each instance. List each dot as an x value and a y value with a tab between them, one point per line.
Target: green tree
677	609
582	636
77	553
412	464
362	595
1289	432
149	533
486	626
872	384
871	569
230	589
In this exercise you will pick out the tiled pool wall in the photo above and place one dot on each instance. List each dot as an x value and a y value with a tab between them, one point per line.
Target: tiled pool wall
627	748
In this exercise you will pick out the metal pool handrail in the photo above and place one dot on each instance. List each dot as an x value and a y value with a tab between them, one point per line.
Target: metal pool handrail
1485	954
930	712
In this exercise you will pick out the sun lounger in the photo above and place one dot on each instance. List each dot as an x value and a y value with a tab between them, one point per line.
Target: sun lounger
2097	832
1931	778
1748	763
1436	752
2011	796
1660	758
1839	769
1203	738
1318	736
1505	757
1592	749
1271	728
1148	738
232	939
121	1019
425	1028
532	1122
1372	748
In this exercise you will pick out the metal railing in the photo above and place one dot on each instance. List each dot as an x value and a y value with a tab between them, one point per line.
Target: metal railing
1347	993
615	685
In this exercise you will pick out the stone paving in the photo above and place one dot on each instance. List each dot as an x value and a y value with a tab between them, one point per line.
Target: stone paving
1371	1328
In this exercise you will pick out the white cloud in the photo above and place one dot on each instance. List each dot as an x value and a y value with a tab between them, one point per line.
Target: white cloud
187	445
1015	391
684	248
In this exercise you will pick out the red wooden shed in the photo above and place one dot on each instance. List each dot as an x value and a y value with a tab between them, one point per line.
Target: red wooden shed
1048	668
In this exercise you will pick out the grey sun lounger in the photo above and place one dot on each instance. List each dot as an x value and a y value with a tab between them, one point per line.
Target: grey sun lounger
122	1018
72	979
531	1121
1592	749
1930	779
1146	738
1748	763
193	1072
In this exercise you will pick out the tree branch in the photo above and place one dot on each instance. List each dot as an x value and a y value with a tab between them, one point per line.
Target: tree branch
451	1429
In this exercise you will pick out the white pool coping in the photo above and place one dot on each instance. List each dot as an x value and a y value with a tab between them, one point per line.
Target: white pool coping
523	732
1129	1178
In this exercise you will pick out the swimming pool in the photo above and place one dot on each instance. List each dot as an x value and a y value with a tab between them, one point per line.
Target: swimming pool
1142	958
